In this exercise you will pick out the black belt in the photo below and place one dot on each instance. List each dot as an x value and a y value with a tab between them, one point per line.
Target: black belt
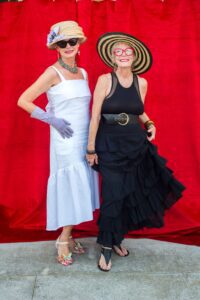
121	119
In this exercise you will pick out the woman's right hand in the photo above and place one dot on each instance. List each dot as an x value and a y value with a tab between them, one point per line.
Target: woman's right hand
92	159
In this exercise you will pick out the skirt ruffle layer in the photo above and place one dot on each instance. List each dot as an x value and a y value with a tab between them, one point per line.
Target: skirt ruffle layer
75	189
137	186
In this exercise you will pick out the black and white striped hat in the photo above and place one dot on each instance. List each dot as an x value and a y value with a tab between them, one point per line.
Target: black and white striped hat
143	57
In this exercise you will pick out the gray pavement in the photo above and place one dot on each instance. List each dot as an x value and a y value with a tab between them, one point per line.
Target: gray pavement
154	270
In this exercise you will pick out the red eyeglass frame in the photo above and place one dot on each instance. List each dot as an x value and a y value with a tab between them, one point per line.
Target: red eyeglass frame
123	51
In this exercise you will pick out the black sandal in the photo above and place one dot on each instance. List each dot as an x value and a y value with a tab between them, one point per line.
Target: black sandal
120	248
106	252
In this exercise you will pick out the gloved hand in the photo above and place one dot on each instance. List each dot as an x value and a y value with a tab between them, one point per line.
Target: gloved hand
61	125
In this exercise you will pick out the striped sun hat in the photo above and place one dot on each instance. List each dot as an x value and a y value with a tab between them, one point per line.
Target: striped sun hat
143	57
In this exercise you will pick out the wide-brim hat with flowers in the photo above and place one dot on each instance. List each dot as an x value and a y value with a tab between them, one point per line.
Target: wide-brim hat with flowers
143	57
63	31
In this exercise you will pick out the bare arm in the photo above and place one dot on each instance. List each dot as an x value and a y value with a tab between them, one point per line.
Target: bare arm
41	85
143	85
100	93
98	98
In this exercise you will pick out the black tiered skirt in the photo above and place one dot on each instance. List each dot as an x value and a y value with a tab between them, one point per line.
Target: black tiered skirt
137	186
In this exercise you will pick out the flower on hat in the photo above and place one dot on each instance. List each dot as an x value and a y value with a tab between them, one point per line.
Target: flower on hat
53	36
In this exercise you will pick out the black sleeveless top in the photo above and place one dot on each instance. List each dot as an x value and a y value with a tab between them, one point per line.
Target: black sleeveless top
126	100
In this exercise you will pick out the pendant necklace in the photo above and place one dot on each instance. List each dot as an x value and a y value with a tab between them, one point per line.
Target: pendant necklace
73	70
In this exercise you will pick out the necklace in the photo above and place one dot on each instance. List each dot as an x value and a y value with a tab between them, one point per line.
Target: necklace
73	69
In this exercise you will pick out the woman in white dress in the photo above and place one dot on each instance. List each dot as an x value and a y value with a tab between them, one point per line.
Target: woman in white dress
72	193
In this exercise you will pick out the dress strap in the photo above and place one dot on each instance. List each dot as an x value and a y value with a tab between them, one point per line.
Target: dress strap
114	84
84	73
62	78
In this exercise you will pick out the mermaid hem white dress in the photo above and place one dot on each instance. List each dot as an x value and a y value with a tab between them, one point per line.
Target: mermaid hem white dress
72	191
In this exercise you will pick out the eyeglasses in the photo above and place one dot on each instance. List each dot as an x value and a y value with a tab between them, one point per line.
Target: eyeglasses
71	42
127	51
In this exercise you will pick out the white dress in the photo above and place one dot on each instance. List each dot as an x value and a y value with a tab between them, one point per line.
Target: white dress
72	192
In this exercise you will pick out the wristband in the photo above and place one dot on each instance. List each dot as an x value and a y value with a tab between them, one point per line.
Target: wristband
90	151
148	124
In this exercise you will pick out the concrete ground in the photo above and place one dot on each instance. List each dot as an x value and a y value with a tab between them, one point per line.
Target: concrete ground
154	270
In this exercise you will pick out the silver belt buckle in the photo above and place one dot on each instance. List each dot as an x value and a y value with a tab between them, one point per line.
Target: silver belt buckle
125	117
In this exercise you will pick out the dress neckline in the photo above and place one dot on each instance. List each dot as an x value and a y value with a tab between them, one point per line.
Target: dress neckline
66	80
126	88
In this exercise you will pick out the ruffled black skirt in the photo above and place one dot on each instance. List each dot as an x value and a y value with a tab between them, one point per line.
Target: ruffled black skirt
137	186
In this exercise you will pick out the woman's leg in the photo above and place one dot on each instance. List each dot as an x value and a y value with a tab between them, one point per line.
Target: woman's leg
73	246
62	244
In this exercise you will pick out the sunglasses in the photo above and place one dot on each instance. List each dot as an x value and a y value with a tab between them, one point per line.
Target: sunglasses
63	43
127	51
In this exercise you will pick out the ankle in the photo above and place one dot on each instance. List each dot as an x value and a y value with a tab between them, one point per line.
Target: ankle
64	237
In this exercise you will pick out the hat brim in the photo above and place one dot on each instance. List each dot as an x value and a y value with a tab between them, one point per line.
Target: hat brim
143	57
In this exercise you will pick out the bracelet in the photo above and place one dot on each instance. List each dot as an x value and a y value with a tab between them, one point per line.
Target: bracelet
90	152
148	124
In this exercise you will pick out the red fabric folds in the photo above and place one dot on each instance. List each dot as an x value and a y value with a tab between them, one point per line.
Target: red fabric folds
171	30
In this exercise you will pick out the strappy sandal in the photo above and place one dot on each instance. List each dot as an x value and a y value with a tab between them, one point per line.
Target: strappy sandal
120	248
63	259
77	247
106	252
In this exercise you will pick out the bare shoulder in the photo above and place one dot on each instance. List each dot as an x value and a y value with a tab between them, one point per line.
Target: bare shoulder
104	78
42	83
50	75
142	82
102	85
50	70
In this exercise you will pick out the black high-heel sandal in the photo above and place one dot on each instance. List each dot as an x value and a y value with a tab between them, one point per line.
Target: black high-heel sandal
106	252
120	248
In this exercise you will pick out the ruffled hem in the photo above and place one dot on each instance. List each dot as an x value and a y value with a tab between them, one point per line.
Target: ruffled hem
72	195
137	186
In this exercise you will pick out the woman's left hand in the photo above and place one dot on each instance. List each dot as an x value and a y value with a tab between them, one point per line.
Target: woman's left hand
152	133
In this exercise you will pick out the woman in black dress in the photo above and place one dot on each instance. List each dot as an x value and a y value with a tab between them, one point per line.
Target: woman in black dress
137	186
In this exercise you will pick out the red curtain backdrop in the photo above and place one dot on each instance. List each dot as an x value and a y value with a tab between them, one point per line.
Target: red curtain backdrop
171	30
